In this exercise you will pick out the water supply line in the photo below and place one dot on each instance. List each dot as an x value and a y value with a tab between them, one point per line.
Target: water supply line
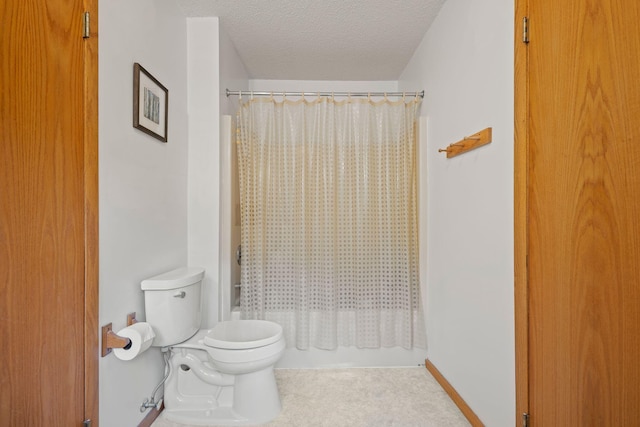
151	402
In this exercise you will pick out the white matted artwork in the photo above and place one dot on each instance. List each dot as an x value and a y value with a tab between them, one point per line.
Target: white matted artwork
150	104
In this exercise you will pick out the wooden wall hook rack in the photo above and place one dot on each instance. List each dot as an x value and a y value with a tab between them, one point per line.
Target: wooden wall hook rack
468	143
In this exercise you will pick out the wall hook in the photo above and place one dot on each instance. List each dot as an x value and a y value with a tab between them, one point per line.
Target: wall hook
468	143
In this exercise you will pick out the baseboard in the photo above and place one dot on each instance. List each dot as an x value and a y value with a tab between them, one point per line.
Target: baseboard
453	394
151	417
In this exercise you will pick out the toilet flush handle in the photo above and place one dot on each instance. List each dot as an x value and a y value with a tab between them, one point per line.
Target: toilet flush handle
180	294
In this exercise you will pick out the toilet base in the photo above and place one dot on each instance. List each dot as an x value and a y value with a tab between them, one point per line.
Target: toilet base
225	416
197	394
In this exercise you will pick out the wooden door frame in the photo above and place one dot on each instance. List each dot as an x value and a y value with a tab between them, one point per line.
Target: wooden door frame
521	140
521	173
91	260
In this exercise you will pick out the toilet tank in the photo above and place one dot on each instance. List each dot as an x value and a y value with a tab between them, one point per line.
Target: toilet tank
173	305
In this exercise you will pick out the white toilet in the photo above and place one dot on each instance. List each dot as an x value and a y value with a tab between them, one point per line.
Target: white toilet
222	375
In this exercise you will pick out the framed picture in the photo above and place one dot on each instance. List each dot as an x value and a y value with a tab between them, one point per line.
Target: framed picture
150	104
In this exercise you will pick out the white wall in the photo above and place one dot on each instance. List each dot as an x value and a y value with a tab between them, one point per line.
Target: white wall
143	185
213	66
465	64
204	156
322	86
233	75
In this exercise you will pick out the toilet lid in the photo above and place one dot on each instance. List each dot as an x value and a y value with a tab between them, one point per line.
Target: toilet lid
243	334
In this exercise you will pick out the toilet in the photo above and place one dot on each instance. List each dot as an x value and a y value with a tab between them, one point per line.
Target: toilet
222	375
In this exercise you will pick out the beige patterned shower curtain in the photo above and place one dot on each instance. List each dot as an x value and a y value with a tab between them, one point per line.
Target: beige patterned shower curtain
329	223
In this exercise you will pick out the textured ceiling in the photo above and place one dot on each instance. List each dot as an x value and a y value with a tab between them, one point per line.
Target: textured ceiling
321	39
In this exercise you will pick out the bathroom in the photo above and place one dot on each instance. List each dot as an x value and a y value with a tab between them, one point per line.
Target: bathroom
161	204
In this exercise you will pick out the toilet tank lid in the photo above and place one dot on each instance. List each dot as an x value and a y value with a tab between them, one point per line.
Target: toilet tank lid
178	278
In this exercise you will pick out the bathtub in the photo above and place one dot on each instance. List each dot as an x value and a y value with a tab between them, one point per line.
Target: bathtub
347	357
343	357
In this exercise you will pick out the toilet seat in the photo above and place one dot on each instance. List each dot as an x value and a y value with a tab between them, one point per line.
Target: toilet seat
243	334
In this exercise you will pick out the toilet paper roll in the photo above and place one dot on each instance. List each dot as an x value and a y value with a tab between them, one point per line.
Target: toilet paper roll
141	335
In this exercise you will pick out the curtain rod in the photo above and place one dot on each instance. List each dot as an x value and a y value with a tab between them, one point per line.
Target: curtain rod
347	94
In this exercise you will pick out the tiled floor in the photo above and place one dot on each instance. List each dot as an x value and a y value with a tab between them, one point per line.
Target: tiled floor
360	397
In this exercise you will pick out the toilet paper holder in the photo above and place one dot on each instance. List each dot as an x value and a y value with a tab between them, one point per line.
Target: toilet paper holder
111	340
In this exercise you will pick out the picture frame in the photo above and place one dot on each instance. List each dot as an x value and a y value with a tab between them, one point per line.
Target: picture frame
150	104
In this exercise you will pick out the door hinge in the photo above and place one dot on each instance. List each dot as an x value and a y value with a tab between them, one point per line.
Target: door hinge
86	423
525	30
86	32
525	420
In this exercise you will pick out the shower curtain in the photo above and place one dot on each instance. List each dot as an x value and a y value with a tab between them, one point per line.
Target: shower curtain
329	221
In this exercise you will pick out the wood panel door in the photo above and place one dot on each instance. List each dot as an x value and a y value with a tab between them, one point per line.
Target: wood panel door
581	175
48	214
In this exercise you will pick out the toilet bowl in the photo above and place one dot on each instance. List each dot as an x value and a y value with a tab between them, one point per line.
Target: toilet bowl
244	346
222	375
